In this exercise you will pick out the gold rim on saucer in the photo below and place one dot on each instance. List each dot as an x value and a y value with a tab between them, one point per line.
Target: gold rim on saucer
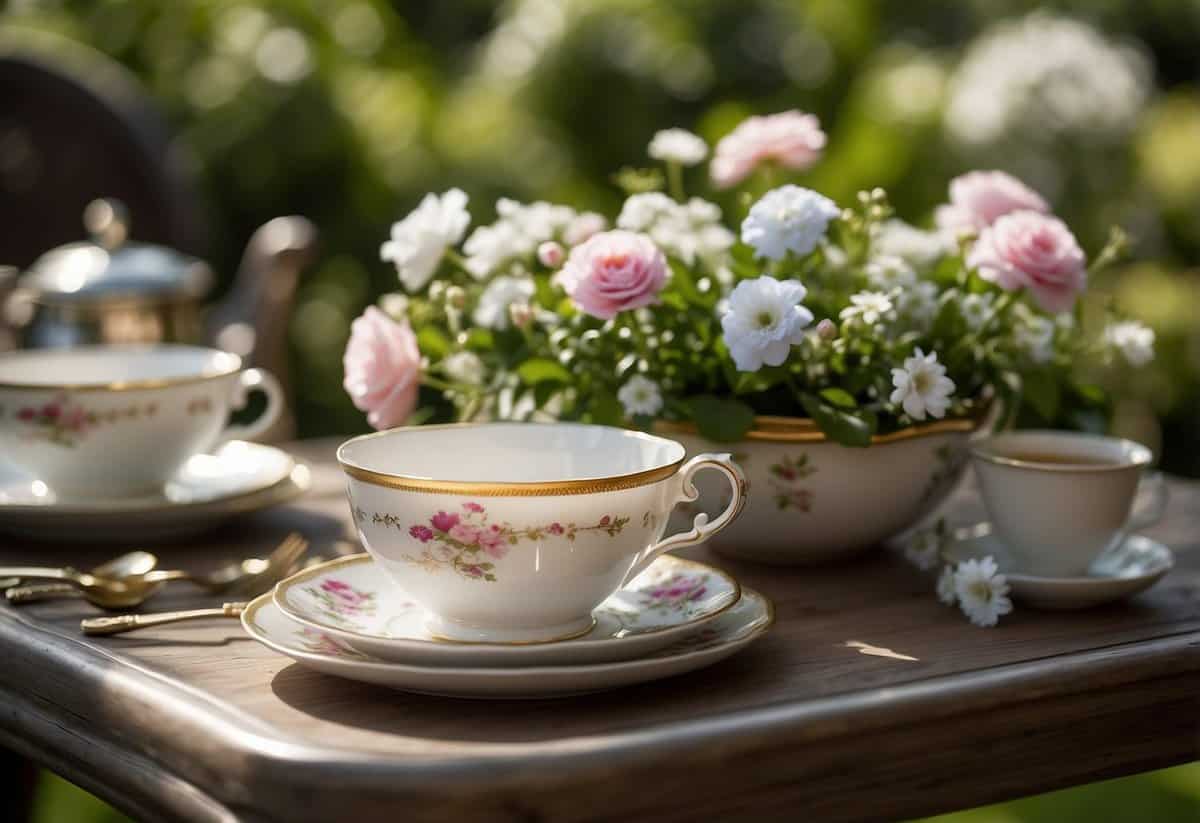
473	488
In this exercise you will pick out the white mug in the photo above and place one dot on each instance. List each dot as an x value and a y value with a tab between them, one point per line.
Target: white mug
1060	499
113	421
514	532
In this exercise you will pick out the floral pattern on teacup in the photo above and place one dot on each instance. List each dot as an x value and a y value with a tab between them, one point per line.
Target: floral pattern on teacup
341	602
468	542
64	422
785	476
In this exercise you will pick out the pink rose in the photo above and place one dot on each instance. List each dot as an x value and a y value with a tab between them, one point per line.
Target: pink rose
979	198
467	535
383	368
474	508
444	522
614	271
555	528
792	139
493	542
1026	249
422	533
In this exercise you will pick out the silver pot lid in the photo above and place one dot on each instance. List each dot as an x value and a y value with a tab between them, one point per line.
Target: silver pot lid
110	267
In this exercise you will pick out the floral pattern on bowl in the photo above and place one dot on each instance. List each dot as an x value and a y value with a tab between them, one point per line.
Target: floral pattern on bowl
351	600
468	542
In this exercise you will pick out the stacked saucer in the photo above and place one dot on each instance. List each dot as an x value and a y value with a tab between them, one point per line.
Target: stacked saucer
346	619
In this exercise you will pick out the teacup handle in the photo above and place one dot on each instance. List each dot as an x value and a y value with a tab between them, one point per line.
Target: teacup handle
1149	503
248	381
701	529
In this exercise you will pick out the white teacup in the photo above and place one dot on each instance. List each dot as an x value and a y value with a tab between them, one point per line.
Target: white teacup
514	532
115	421
1060	499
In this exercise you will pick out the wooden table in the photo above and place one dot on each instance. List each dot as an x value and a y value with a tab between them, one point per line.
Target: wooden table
819	720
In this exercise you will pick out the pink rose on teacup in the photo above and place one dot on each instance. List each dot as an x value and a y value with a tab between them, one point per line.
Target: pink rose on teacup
466	534
792	139
443	521
980	198
383	368
493	541
614	271
1026	249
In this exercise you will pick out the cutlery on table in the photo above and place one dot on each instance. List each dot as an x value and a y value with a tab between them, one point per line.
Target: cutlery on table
131	564
120	623
248	576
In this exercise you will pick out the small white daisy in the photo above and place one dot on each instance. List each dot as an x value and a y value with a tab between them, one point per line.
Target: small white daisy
640	395
419	241
922	387
868	306
924	549
678	146
982	591
976	309
887	272
945	586
1134	341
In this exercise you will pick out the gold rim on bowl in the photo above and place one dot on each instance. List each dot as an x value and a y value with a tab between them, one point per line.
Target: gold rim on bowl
478	488
121	385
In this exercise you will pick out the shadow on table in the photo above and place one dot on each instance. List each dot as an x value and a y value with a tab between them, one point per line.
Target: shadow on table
379	709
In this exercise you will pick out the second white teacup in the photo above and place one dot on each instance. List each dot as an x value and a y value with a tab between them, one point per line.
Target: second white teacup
115	421
1060	499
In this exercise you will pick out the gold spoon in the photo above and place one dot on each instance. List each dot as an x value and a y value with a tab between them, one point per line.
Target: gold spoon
127	592
131	564
120	623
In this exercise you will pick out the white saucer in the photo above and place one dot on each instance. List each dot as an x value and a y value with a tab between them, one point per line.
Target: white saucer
238	477
1133	566
737	627
351	600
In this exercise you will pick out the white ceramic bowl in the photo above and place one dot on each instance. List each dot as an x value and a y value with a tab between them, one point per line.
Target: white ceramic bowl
100	422
511	532
813	501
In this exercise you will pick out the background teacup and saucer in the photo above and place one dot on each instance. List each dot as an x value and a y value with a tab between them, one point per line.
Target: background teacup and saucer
133	441
1064	512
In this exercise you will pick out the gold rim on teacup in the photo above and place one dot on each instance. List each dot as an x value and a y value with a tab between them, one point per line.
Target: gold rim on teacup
229	363
546	488
1135	455
355	559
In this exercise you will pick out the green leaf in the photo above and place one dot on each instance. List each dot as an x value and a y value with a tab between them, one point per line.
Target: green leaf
606	410
840	426
433	343
721	419
480	339
1041	390
540	370
839	397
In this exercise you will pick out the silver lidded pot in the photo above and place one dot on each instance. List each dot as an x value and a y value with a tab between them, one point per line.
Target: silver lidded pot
109	289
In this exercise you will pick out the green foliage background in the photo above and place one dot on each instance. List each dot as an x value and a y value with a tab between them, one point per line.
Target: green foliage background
348	111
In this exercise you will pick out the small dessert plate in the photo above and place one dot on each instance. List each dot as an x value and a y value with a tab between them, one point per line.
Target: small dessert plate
1133	566
237	477
352	600
730	632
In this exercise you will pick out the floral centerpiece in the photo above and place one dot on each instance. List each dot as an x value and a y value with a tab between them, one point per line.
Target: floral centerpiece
845	355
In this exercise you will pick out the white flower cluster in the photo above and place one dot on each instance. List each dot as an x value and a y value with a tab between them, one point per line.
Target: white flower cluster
517	232
789	218
419	241
1134	341
640	396
688	231
1046	75
917	247
678	146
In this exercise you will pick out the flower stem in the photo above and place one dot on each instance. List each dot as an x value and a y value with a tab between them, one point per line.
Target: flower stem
459	261
675	180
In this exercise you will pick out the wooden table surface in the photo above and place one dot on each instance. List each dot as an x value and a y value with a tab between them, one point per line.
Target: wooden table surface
815	721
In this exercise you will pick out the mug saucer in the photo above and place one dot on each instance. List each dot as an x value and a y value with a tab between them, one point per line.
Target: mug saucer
351	600
732	630
1134	565
236	477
